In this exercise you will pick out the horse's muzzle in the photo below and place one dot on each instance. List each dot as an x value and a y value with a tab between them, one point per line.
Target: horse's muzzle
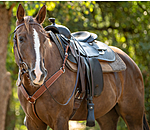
38	79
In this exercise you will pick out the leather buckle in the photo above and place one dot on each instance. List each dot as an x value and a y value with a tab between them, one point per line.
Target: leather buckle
79	95
31	100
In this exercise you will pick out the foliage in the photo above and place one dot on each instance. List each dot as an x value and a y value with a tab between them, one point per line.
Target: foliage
122	24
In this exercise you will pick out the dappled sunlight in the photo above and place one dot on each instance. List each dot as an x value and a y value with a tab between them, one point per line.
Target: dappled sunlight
74	125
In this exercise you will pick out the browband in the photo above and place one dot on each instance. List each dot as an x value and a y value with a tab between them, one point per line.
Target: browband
32	23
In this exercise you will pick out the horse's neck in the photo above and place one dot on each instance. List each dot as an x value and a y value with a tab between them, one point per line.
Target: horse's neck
53	60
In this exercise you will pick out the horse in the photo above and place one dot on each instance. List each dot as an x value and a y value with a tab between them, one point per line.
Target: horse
38	55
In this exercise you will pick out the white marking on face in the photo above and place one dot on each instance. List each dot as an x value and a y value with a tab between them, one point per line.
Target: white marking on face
38	72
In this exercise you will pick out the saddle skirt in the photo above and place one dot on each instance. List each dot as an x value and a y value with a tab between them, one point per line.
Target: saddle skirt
96	49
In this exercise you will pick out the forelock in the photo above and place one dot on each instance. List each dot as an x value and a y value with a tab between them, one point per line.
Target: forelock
27	20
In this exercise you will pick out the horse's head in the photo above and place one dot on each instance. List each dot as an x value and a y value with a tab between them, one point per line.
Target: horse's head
29	44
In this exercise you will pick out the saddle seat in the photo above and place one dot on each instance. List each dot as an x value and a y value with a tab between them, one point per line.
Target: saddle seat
89	47
84	36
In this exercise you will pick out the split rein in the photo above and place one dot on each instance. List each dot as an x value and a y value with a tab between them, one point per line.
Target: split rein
48	83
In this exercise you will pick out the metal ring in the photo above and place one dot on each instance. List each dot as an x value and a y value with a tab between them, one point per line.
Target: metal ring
61	68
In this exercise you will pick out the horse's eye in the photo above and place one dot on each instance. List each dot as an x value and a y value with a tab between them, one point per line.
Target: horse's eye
21	39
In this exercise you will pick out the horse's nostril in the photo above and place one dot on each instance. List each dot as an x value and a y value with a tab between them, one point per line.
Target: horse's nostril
45	72
33	75
43	75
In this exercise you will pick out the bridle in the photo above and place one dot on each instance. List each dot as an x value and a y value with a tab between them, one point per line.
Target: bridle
24	69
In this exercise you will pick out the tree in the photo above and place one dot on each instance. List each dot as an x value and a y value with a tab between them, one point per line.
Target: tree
5	82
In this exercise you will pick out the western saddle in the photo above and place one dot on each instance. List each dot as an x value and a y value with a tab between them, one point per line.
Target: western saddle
85	52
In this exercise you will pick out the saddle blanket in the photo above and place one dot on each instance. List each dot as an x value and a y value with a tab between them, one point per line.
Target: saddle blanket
115	66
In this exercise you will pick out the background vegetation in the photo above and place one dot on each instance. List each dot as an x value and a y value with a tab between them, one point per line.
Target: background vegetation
122	24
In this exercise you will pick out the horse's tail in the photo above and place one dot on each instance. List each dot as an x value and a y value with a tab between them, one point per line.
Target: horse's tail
145	123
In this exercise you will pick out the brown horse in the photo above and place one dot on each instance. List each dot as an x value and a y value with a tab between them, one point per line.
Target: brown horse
122	95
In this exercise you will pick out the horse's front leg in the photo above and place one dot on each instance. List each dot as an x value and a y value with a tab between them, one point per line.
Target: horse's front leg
34	124
61	124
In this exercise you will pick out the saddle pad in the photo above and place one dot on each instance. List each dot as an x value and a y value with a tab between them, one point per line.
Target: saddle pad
115	66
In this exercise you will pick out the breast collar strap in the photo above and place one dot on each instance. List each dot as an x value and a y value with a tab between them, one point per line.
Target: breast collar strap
32	98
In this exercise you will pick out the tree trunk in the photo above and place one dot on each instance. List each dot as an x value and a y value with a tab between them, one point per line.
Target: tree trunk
5	82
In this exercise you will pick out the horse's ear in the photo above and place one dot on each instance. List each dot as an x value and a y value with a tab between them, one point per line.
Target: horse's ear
41	15
20	13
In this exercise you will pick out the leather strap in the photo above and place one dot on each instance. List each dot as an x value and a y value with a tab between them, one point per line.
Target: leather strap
31	23
34	111
32	99
82	74
59	46
42	89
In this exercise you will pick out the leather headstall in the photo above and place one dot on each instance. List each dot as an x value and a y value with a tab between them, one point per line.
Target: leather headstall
22	65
